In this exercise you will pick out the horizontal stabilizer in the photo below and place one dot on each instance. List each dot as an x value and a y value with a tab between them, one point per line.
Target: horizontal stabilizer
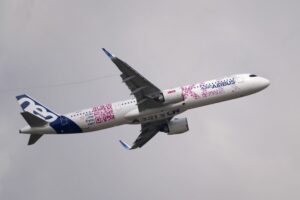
34	138
33	120
126	146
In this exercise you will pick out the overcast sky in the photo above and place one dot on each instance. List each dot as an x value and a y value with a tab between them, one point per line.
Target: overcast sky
241	149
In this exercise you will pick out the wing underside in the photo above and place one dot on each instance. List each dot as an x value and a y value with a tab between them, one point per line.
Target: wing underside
148	131
144	91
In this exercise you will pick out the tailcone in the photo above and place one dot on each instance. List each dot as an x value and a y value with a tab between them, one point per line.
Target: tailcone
26	129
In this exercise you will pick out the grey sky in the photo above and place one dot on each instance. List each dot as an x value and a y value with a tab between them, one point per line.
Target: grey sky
241	149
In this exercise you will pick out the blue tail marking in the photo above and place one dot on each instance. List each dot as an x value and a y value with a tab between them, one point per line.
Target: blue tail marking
34	107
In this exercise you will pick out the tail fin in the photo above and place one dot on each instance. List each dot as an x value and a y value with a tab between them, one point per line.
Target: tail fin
30	105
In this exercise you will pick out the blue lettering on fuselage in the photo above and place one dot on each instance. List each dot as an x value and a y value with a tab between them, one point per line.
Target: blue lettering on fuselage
217	84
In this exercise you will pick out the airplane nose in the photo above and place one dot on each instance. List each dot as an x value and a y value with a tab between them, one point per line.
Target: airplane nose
266	82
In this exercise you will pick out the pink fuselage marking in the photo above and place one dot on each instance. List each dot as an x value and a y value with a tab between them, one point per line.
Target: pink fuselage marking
103	113
188	91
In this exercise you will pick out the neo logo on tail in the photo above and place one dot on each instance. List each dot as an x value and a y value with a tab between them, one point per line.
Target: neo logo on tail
34	107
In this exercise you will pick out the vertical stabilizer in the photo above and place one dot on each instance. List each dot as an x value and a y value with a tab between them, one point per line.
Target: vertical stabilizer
32	106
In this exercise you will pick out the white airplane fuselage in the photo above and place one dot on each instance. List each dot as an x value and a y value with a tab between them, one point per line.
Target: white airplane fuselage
180	99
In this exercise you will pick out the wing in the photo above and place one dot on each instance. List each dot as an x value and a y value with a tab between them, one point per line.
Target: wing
149	130
146	93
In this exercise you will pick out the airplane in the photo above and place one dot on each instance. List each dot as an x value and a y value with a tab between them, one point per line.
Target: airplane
154	109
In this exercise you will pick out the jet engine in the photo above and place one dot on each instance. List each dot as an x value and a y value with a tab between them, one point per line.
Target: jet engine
176	126
171	96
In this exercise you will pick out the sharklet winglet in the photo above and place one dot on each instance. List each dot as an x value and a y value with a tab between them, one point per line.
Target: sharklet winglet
126	146
111	56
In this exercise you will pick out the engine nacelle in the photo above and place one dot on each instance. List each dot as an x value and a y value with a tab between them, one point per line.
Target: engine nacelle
177	126
171	96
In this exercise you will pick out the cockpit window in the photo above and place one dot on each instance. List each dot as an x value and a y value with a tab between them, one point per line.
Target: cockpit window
252	75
